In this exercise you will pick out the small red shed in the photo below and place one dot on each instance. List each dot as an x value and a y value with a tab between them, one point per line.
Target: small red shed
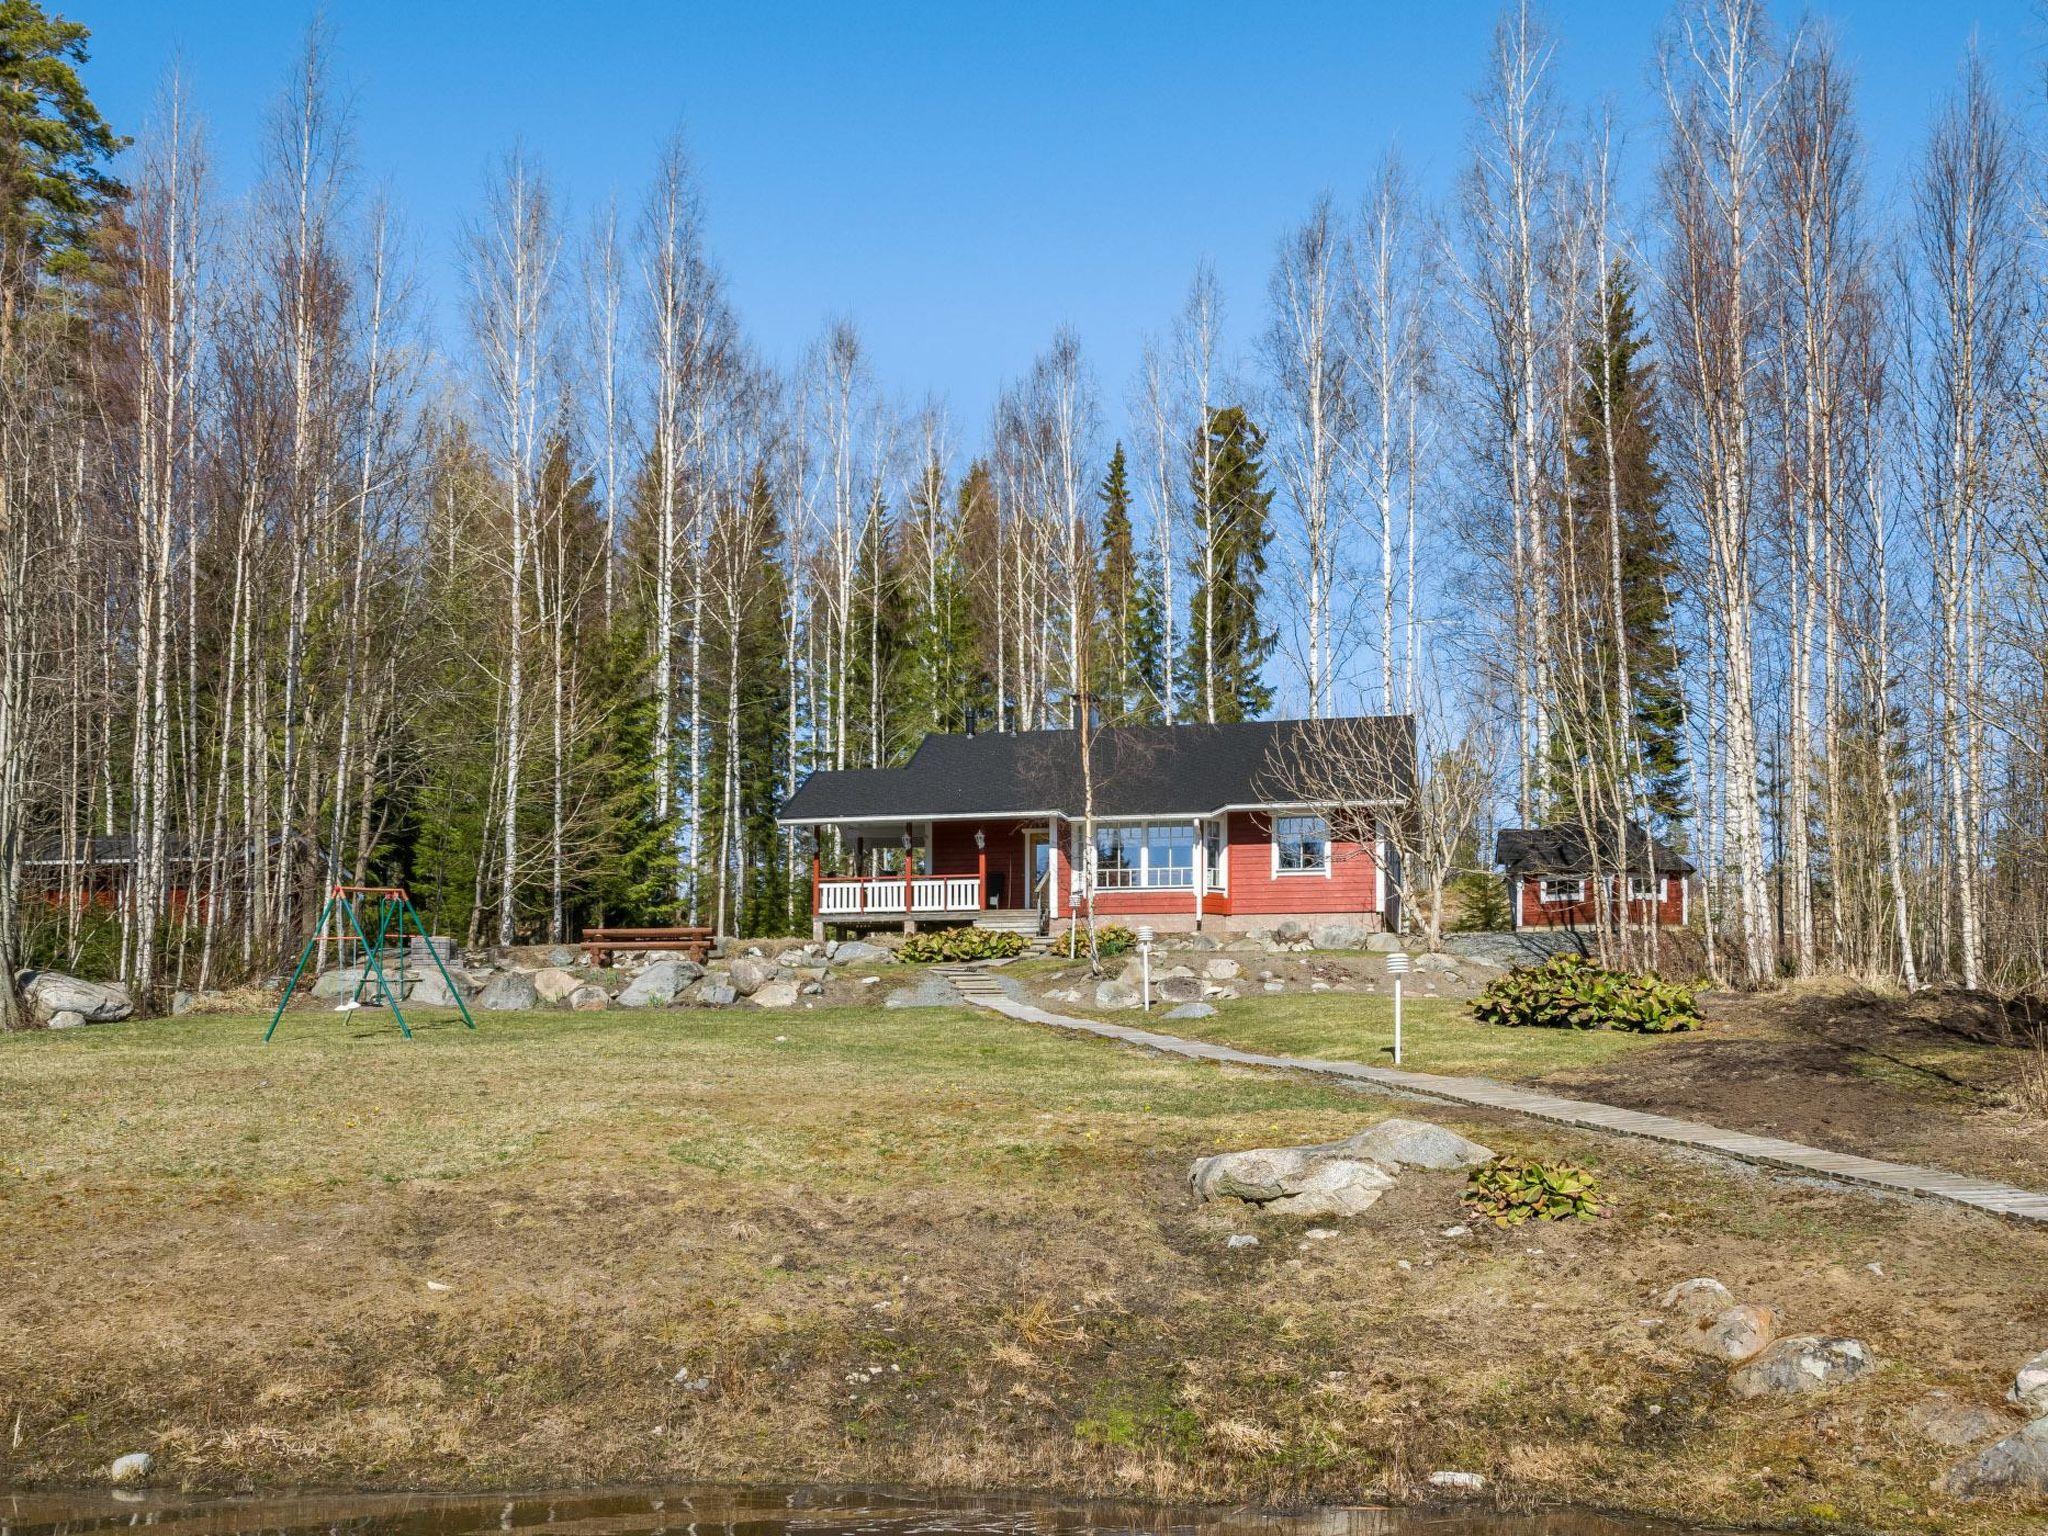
1554	876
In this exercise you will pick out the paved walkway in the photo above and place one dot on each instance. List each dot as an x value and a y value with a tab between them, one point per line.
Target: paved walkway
983	989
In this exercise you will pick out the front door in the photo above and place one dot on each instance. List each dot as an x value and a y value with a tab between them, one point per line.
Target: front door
1038	859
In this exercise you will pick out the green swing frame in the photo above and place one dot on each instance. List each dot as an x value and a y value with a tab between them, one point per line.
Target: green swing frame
394	910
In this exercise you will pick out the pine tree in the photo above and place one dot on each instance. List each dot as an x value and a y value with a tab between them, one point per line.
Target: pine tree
53	142
1119	692
1225	638
1612	359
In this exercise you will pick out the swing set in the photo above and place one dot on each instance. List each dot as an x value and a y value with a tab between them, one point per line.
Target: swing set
368	917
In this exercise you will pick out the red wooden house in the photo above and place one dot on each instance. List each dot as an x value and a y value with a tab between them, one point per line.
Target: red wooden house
1554	875
1193	829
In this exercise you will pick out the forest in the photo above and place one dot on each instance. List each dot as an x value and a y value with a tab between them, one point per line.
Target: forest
1721	506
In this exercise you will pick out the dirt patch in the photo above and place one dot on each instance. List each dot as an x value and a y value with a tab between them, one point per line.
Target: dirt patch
1938	1077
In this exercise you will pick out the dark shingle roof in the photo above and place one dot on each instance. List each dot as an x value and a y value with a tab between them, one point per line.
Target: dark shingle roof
1564	850
1156	770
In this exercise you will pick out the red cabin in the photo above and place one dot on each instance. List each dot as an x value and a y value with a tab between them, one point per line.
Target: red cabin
1192	829
1555	875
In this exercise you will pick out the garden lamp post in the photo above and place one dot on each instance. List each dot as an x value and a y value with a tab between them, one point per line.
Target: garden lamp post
1145	965
1398	965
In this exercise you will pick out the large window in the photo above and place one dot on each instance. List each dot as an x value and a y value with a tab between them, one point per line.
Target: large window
1301	845
1643	888
1561	893
1153	855
1119	857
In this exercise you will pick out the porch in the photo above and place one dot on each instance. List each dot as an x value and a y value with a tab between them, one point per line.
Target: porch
988	871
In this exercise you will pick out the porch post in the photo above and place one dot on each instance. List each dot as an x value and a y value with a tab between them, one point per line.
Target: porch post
817	882
981	880
1201	879
1052	869
909	922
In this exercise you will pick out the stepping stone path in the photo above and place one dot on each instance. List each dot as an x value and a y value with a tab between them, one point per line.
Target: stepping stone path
984	990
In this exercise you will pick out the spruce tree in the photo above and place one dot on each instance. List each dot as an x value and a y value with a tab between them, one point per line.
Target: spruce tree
1118	690
878	731
1612	360
1225	636
761	902
1150	684
941	673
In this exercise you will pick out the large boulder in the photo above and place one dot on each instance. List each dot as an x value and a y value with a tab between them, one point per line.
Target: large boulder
66	1018
712	993
1222	968
1732	1335
2030	1387
1942	1420
1383	943
859	952
554	985
589	999
1178	989
1191	1011
1398	1142
749	973
656	986
776	994
1293	1181
1290	932
1116	992
49	993
1697	1298
343	983
431	990
2016	1464
508	992
1806	1363
1333	935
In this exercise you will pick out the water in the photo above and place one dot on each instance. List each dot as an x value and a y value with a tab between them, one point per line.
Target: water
740	1512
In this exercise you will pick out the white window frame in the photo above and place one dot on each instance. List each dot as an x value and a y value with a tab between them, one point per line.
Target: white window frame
1216	870
1545	899
1645	888
1312	871
1142	872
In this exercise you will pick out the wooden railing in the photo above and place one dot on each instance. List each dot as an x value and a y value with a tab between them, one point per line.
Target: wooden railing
898	896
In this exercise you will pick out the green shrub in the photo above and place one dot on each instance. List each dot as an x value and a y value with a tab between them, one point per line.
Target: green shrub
957	944
1571	992
1114	939
1511	1190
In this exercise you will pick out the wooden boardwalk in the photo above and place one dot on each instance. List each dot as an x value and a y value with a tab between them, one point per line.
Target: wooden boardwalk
982	988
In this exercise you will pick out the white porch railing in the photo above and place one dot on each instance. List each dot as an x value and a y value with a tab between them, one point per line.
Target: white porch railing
886	894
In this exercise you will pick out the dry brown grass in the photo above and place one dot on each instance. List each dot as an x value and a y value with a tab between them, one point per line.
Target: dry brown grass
923	1248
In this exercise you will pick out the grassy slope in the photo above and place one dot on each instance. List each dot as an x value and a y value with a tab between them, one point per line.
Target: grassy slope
913	1246
1437	1034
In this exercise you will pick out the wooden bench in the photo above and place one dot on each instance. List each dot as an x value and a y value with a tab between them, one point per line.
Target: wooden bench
601	943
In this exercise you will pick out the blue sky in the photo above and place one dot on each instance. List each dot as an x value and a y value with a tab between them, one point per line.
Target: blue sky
957	178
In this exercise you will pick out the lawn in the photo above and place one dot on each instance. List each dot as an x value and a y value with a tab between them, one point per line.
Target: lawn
1437	1034
924	1247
